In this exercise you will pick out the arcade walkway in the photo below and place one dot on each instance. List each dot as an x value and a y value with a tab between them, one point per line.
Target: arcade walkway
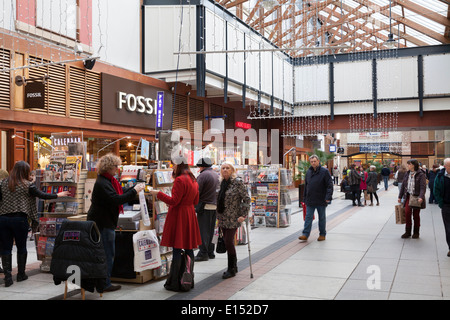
363	257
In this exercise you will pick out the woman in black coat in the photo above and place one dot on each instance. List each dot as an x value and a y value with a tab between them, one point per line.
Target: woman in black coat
106	204
414	183
372	183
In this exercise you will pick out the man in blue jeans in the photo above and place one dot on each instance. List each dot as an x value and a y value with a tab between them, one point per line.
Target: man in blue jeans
318	194
385	172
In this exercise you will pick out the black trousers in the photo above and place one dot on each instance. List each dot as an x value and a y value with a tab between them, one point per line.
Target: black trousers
206	223
356	193
446	218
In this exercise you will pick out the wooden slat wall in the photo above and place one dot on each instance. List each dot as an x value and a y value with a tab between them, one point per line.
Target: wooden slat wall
196	112
93	96
180	113
77	93
5	58
56	90
68	85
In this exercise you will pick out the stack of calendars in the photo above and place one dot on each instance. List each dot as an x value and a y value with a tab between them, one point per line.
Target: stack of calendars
63	169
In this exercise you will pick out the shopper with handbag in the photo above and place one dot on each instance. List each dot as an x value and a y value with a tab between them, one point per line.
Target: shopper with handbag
181	230
413	190
363	184
17	207
233	204
372	183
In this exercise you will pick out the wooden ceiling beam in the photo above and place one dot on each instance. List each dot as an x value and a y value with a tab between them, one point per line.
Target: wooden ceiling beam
425	12
414	25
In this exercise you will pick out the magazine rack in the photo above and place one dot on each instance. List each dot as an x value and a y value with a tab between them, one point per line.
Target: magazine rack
271	201
162	181
50	222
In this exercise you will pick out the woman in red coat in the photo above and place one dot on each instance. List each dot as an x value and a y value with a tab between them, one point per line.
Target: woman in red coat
181	229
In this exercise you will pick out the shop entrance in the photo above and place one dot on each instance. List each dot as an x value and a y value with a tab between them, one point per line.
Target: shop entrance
364	159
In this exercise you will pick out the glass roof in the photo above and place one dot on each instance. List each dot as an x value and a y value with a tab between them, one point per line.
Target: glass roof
346	23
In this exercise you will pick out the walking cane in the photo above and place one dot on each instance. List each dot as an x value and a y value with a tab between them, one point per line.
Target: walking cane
249	251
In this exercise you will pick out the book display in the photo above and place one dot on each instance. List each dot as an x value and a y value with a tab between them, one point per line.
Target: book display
270	198
162	181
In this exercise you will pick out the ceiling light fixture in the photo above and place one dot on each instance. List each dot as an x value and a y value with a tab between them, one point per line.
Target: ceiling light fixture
390	43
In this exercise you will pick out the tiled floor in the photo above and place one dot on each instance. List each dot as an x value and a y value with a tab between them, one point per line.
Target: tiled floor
363	257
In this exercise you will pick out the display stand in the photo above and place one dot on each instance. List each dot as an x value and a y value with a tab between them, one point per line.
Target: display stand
271	202
54	212
162	180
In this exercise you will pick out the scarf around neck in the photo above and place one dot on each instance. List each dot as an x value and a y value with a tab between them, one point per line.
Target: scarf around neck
221	198
116	186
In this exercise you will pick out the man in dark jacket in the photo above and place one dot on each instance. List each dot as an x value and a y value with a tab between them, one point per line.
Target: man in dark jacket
318	193
442	195
208	183
385	173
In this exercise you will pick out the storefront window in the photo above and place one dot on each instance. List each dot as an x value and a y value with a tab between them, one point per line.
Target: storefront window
42	150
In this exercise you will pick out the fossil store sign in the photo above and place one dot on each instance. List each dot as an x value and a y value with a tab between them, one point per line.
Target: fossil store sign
131	103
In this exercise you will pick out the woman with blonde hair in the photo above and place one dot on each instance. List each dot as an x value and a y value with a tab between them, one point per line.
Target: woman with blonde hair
106	204
233	204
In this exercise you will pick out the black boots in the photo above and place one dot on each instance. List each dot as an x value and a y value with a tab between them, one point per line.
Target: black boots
7	268
232	268
21	264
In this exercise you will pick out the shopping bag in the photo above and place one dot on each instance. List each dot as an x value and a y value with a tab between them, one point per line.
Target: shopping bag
400	216
304	211
187	273
146	250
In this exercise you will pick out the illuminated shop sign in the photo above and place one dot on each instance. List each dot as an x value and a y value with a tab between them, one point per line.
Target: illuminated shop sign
243	125
131	103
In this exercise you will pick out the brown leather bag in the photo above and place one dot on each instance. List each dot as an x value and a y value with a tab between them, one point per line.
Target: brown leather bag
414	201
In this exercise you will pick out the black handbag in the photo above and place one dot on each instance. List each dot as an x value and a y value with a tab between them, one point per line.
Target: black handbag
220	248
